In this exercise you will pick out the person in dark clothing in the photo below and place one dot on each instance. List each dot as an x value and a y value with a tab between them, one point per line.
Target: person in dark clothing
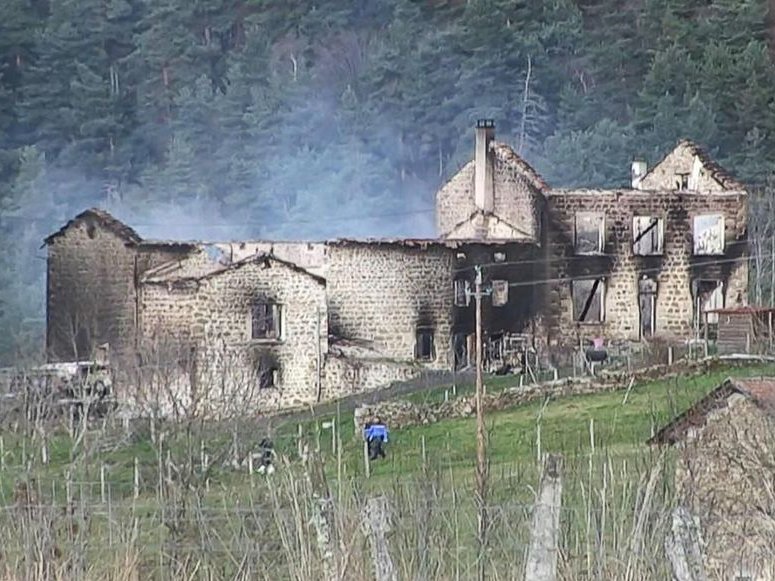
376	434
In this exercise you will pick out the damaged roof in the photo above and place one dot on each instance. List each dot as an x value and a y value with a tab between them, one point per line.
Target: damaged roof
760	390
105	219
715	171
486	216
167	272
507	155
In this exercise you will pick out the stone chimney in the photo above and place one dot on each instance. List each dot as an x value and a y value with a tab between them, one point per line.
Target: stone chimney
484	171
639	169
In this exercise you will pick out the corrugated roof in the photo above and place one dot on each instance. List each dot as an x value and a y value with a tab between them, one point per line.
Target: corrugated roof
105	219
760	390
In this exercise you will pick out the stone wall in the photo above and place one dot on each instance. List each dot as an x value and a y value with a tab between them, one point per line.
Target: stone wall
214	315
725	478
516	203
673	270
682	160
90	292
401	413
382	293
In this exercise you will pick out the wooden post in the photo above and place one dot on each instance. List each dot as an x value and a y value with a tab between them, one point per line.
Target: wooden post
670	355
544	535
682	547
376	522
250	469
481	443
319	362
137	479
102	484
592	434
299	436
366	462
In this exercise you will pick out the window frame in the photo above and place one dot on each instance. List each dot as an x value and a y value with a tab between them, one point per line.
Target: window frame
721	224
601	233
431	333
278	322
601	282
660	227
504	291
456	292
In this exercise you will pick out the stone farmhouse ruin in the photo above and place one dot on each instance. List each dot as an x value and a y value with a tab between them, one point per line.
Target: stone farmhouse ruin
292	323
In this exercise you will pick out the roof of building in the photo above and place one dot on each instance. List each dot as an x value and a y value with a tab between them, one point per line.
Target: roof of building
759	390
507	155
105	219
717	172
166	272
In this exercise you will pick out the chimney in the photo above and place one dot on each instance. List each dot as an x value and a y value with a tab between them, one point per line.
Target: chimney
484	170
639	169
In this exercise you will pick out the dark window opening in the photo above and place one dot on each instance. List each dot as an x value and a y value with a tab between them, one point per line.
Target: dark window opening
462	292
708	297
588	297
647	300
681	181
500	293
265	321
424	350
267	377
589	233
648	234
460	350
91	231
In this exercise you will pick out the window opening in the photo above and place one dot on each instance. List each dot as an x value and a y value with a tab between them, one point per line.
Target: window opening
265	321
589	233
647	299
709	234
462	292
588	298
682	181
500	293
267	377
460	350
708	296
424	349
648	235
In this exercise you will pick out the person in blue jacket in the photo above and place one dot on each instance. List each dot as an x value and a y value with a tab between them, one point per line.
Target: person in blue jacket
376	434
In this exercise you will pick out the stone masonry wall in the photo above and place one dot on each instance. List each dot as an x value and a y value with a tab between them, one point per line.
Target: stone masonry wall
90	294
382	293
215	312
679	161
673	270
515	201
724	477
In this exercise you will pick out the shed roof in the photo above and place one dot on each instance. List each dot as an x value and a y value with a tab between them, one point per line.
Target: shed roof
760	390
105	219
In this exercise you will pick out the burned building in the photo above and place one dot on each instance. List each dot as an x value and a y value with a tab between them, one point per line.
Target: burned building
559	267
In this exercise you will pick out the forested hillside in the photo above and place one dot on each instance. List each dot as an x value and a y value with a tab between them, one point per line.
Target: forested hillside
290	118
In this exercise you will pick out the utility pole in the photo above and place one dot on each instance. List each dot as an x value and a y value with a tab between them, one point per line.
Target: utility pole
481	443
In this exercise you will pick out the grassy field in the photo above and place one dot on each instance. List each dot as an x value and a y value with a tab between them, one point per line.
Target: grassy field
222	523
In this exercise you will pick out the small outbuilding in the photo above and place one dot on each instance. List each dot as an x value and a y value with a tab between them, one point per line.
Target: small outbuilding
744	329
725	476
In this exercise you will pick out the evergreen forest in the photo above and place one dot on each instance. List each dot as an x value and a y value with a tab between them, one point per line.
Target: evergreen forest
222	119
